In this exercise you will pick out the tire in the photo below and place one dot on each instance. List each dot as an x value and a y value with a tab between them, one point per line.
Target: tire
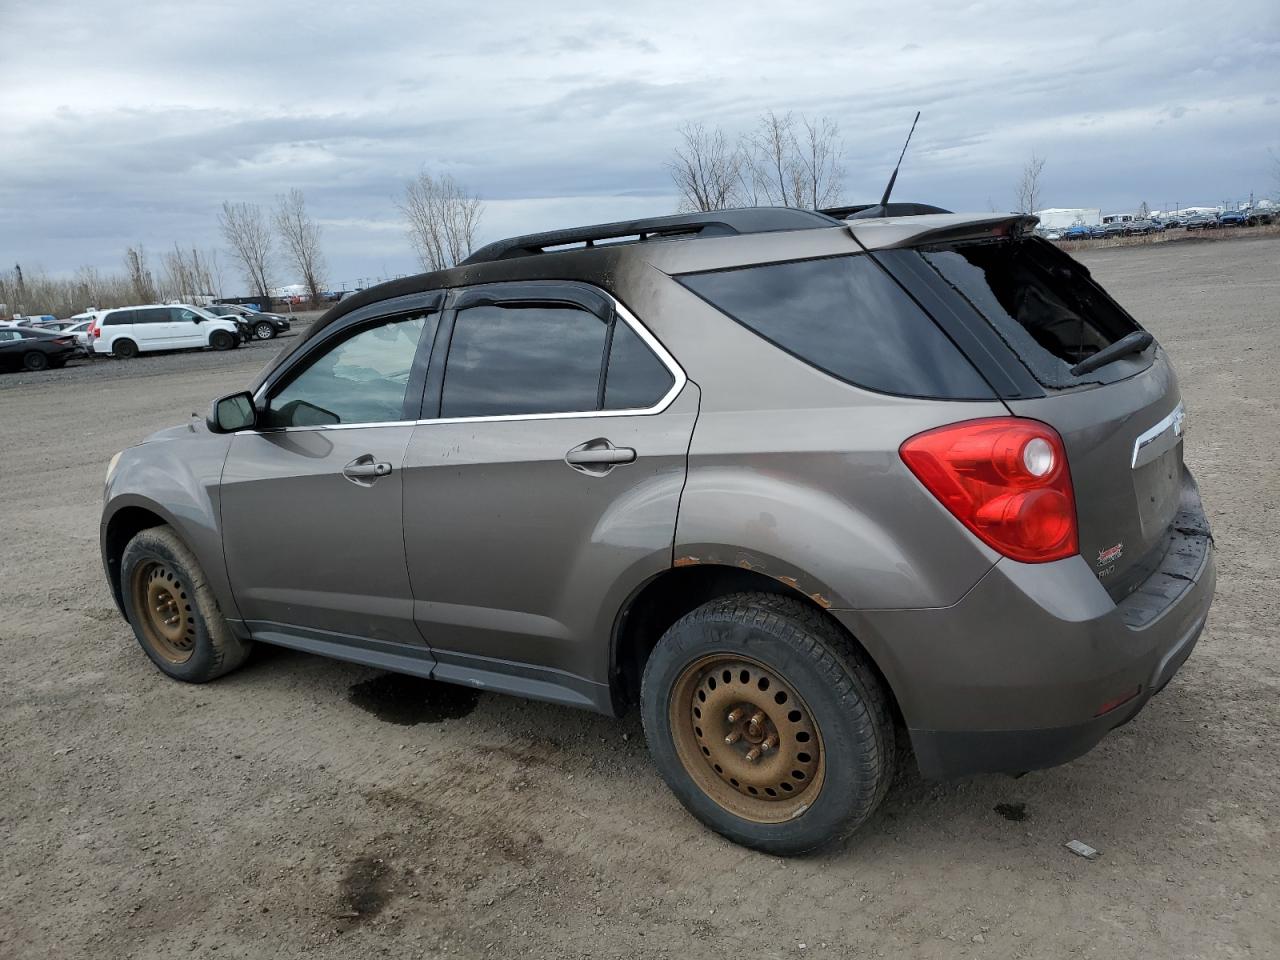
221	340
824	708
195	644
34	360
124	349
264	331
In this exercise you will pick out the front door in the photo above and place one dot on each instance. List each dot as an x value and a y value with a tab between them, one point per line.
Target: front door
185	329
312	500
545	490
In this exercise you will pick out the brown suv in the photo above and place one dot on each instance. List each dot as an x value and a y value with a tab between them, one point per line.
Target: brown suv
799	487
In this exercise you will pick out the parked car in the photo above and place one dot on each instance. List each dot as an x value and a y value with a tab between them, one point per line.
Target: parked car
1078	231
1097	231
796	490
258	325
28	348
1172	222
1232	218
1201	221
1116	228
1260	216
80	332
128	331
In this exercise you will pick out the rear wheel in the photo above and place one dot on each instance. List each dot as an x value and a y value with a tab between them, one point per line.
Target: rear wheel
263	331
172	610
768	724
221	340
34	360
124	349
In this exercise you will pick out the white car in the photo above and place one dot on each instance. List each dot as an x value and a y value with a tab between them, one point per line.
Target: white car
128	331
80	331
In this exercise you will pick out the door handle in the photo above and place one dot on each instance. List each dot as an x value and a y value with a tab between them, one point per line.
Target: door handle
363	470
598	456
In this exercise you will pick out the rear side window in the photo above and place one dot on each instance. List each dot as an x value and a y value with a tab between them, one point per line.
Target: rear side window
523	359
846	317
118	317
152	315
636	378
1043	304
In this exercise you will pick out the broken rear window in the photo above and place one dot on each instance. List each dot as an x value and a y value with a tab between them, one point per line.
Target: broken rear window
1041	302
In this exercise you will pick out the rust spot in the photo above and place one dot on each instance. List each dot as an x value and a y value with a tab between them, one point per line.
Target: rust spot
790	582
687	561
745	565
820	600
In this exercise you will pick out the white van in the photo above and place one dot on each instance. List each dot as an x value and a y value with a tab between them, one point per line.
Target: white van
128	331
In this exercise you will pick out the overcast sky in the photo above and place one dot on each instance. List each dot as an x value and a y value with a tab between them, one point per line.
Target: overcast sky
132	121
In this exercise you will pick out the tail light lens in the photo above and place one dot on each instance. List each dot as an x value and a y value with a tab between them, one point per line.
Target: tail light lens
1006	479
93	331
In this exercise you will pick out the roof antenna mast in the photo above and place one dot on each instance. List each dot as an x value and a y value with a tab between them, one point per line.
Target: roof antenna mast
884	201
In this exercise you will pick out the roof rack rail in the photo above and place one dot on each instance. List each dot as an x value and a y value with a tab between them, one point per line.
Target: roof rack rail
716	223
863	211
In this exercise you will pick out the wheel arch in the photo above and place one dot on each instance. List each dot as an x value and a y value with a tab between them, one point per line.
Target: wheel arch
665	598
117	530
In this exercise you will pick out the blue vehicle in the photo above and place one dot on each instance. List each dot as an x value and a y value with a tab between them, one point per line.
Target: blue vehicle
1078	231
1232	218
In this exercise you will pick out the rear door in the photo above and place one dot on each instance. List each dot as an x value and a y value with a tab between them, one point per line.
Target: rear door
542	485
153	328
312	501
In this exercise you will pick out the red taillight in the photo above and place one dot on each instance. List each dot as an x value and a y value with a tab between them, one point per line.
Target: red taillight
62	341
1006	479
93	331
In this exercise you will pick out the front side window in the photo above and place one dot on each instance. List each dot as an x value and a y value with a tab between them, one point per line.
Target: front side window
187	316
521	359
359	379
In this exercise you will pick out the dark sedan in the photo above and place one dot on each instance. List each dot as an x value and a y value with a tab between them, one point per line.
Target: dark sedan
253	324
29	349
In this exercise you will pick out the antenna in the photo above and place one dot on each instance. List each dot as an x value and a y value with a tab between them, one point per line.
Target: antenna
884	201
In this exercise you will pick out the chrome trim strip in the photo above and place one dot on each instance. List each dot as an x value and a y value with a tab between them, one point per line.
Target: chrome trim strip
668	361
1175	419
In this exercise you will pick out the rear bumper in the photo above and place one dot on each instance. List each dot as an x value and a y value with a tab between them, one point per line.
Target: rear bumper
1018	675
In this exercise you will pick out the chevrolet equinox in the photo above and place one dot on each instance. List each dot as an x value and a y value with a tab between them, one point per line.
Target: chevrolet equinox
802	486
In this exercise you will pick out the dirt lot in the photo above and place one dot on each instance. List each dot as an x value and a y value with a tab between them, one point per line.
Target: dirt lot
307	807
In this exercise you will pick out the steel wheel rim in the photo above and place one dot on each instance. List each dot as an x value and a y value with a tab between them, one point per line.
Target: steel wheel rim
164	606
747	738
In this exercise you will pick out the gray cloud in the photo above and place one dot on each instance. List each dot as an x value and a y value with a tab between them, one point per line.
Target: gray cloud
127	122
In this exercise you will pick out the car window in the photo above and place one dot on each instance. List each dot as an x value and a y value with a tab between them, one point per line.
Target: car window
523	359
152	315
847	317
118	317
6	335
184	316
636	379
360	379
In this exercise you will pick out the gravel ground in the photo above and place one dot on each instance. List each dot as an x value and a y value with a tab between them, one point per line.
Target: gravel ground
306	807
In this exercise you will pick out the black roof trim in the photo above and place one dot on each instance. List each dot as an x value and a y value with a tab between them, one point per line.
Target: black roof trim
716	223
864	211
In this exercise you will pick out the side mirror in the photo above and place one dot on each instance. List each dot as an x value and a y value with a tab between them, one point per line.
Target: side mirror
231	413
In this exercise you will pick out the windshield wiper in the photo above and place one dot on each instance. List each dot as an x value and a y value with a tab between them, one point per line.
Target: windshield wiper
1135	342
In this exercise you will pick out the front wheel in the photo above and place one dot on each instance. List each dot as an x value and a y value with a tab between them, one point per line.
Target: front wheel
768	723
173	612
221	340
263	331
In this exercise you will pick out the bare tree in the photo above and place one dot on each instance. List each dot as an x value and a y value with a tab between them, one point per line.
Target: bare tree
140	278
1029	185
707	170
796	161
244	226
1144	210
443	217
187	276
301	236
